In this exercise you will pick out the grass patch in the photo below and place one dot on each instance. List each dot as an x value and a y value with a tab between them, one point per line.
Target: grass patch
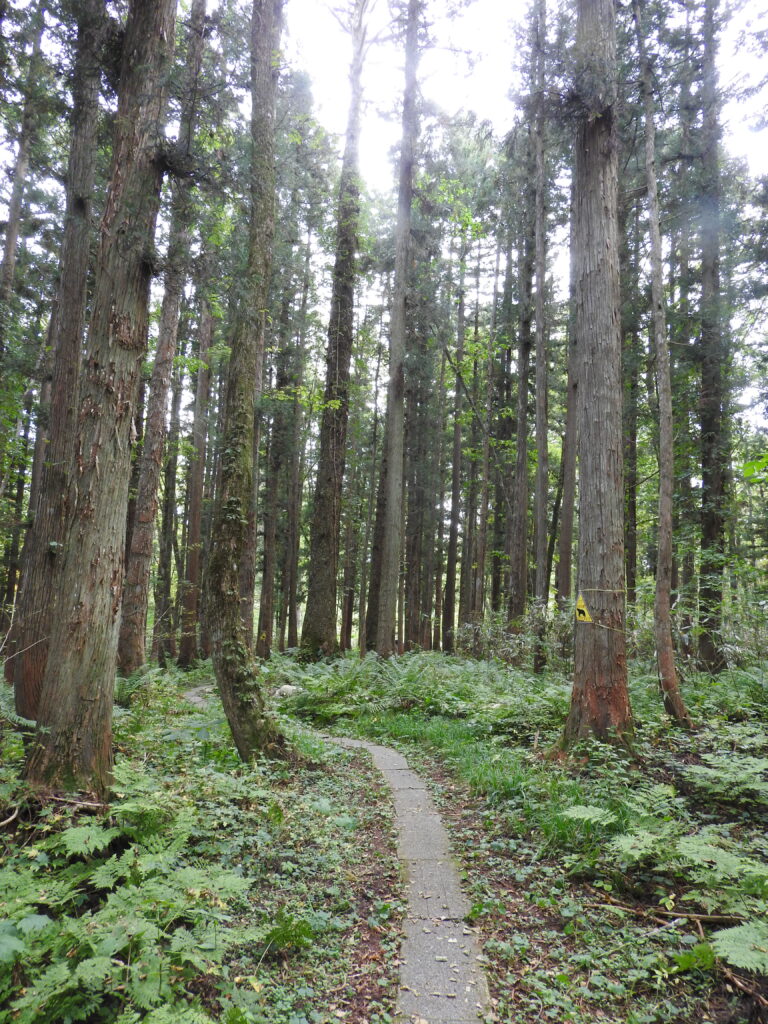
207	890
607	888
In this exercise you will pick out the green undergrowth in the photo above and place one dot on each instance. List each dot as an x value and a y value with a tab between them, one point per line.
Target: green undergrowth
646	878
206	891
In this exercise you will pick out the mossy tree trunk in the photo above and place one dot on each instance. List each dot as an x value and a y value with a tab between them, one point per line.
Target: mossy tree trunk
236	674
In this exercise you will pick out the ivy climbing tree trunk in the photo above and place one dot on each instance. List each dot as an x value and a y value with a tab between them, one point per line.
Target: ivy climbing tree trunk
600	699
73	744
236	674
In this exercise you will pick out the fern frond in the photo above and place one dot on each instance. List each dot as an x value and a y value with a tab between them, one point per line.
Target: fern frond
745	946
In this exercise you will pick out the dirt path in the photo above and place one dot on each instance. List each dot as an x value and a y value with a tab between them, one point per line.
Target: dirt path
441	979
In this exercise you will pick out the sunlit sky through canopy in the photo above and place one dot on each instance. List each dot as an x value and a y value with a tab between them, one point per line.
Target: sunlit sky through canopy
471	65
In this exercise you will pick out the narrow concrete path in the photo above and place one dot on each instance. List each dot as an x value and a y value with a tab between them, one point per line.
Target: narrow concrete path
441	978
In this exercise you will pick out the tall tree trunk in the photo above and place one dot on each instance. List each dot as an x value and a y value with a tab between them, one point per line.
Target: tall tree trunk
629	265
518	519
364	614
440	525
665	653
236	673
27	133
478	601
563	571
541	489
133	621
451	557
468	539
294	474
13	544
377	550
190	596
504	432
164	626
73	745
714	455
318	634
278	449
393	509
37	600
600	700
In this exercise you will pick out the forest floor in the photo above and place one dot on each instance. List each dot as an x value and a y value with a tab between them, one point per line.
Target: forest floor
601	887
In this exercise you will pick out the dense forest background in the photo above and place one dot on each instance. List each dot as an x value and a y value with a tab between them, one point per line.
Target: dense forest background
246	406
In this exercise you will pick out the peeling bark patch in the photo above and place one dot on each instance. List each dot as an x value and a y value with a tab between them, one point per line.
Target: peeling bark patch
121	330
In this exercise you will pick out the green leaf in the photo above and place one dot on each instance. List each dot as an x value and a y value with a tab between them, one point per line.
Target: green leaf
754	468
700	957
33	923
589	813
745	946
86	839
10	946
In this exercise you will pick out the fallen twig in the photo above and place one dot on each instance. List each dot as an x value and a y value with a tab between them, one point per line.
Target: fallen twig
743	986
9	820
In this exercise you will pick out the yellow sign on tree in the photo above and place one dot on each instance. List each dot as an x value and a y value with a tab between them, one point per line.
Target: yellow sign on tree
582	612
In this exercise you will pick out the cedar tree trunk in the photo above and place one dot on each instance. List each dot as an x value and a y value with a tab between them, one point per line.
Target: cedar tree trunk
73	745
600	699
236	673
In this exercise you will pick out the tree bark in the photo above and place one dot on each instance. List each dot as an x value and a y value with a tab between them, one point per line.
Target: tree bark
451	556
600	700
393	515
665	653
133	622
27	133
518	519
714	455
318	634
164	627
73	745
541	489
252	729
564	571
190	596
278	449
38	596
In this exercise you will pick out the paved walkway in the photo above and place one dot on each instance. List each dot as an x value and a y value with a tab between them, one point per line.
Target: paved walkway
441	980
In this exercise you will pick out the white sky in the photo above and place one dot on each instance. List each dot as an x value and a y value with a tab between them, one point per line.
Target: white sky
315	43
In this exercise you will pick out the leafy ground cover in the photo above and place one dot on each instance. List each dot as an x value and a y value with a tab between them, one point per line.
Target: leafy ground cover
607	888
207	890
